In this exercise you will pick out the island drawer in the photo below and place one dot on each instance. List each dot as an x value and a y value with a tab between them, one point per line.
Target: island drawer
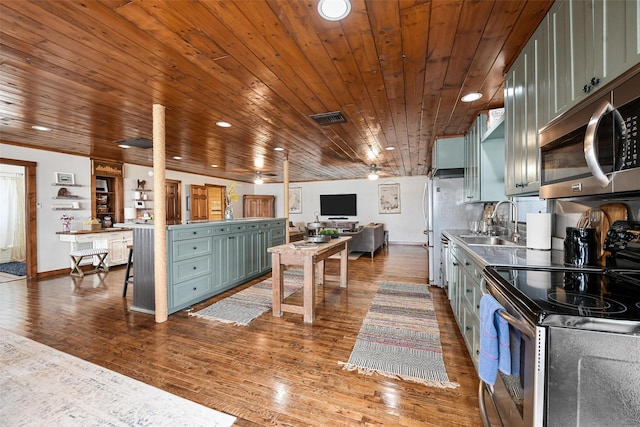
191	233
190	292
186	249
191	268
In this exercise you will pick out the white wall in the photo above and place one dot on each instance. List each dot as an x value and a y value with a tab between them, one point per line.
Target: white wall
406	227
53	254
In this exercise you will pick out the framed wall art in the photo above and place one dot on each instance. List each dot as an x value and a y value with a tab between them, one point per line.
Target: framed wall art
295	200
65	178
389	198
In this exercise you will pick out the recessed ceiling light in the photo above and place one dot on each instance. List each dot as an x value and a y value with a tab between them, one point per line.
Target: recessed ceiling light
214	165
278	149
223	124
177	158
334	10
124	146
390	148
42	128
470	97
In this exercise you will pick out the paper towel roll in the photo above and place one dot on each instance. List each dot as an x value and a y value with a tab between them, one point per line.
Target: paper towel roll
130	214
539	231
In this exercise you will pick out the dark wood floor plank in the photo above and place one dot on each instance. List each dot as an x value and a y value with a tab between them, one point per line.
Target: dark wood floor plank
275	371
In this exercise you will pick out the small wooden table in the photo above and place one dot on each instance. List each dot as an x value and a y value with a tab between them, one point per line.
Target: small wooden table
309	258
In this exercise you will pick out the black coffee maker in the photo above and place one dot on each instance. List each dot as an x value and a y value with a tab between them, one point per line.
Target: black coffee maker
581	247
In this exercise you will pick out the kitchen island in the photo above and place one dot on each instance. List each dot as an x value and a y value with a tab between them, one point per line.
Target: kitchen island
204	258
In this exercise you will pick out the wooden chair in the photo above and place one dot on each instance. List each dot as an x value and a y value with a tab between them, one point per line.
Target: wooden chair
78	255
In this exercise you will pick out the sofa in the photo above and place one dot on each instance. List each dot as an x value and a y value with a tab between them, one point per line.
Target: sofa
368	238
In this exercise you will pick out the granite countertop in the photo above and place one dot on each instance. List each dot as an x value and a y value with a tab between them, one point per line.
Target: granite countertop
499	255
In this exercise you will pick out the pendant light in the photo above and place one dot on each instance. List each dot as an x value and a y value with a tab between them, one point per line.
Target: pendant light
373	173
258	179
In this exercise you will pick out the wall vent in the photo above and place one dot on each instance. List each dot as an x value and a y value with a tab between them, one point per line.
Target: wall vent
332	118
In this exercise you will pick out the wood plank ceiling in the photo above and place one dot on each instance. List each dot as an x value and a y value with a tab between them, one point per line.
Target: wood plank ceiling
91	71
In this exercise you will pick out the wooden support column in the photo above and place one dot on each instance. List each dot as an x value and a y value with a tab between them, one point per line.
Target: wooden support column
160	214
286	195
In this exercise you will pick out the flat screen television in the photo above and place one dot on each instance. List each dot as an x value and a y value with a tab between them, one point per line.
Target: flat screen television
338	204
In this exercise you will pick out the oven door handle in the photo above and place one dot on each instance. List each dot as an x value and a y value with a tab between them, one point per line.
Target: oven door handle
518	324
590	151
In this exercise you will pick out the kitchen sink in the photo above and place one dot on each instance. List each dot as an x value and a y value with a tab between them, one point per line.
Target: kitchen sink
487	240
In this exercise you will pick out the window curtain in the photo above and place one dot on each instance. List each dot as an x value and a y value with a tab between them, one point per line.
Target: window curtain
12	220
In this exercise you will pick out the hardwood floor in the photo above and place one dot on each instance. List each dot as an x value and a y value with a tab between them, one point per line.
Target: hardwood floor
276	371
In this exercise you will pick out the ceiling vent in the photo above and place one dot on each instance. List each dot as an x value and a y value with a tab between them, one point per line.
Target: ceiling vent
137	142
324	119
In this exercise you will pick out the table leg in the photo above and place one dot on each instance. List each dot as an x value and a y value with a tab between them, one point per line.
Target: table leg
320	272
276	284
344	265
309	302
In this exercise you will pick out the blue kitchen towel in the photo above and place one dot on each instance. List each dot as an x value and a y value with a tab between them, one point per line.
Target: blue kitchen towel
494	341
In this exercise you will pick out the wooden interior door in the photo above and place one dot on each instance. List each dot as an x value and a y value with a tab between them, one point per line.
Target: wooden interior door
215	196
199	204
174	210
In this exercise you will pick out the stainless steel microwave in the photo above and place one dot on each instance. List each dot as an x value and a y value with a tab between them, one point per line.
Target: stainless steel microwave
594	150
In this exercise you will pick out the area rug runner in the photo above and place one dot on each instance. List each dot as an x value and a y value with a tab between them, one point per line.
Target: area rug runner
241	308
41	386
399	337
14	267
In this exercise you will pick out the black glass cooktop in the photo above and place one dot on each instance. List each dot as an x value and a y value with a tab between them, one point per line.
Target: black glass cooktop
577	293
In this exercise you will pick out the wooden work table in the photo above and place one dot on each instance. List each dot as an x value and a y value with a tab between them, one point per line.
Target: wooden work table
309	259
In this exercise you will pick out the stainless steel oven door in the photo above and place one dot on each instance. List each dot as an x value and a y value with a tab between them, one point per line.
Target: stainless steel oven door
594	378
517	400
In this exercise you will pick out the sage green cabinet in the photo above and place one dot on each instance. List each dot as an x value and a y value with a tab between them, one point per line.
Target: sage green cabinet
591	42
484	162
465	292
526	103
207	259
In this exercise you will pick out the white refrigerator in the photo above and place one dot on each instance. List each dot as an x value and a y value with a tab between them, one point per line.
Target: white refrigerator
444	208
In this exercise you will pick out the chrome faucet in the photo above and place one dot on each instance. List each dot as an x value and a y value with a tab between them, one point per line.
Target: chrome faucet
516	235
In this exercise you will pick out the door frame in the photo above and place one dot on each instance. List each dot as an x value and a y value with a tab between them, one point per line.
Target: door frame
30	204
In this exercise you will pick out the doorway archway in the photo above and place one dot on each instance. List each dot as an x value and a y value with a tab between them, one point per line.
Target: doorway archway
31	230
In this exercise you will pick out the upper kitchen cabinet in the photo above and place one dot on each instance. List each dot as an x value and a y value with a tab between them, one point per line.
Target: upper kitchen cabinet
591	42
484	160
526	101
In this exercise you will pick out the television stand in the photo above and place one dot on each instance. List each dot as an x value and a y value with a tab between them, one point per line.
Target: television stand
343	226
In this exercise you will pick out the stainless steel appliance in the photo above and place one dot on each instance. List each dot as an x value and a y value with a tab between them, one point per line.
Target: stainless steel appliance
594	150
579	341
444	208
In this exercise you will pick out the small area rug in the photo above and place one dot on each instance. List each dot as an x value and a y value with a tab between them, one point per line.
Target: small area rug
42	386
14	267
399	337
243	307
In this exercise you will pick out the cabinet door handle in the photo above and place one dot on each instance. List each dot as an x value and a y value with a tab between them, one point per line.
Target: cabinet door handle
595	81
195	268
455	264
195	289
586	89
195	247
195	232
467	328
231	237
468	291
